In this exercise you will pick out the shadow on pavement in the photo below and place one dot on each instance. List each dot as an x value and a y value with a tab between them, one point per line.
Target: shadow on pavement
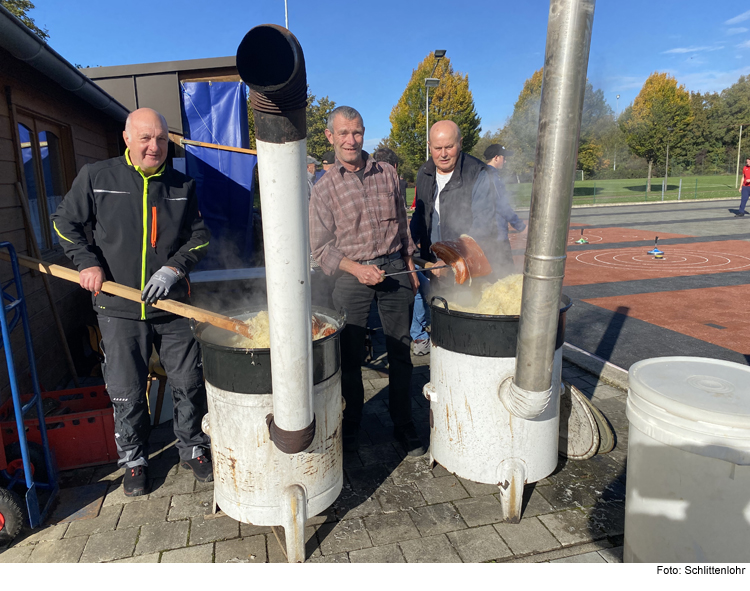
609	338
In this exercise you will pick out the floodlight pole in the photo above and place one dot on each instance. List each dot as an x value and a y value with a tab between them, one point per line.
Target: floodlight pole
739	147
427	123
428	82
617	117
439	53
286	15
666	167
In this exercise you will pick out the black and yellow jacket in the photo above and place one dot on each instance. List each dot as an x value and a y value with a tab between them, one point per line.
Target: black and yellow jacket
139	224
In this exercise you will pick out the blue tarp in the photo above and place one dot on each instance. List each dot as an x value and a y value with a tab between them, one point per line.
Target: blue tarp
216	113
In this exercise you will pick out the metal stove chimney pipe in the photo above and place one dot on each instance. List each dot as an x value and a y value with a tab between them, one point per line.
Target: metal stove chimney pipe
271	62
564	83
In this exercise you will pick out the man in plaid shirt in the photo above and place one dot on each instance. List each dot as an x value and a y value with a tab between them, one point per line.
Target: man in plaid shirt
358	234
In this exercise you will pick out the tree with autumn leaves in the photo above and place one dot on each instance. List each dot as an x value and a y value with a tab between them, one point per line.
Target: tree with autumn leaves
451	99
519	134
660	115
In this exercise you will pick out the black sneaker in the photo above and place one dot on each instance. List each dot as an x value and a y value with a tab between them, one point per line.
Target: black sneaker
409	440
202	467
739	215
134	483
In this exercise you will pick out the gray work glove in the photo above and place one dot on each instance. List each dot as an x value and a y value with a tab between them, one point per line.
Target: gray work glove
158	286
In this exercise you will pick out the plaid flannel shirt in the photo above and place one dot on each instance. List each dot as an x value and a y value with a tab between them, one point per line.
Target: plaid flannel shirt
358	220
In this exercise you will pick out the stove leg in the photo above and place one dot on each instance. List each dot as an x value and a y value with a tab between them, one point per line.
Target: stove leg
512	477
294	517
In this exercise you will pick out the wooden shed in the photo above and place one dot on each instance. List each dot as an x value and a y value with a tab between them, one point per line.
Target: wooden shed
53	120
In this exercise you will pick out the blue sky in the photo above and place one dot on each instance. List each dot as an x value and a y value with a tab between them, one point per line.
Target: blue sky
363	53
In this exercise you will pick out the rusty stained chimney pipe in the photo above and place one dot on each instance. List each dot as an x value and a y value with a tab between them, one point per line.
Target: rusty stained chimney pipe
271	62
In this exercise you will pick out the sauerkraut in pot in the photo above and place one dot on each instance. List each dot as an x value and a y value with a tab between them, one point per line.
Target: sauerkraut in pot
502	298
260	328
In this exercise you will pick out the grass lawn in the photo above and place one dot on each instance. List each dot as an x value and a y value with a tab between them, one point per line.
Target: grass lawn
634	190
629	190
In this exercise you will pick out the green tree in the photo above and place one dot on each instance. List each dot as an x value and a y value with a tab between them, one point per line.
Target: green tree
20	9
735	110
597	119
317	116
659	117
520	132
703	141
251	126
485	141
614	149
451	99
521	129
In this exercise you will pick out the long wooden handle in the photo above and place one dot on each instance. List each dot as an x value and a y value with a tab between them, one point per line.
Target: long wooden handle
134	295
217	147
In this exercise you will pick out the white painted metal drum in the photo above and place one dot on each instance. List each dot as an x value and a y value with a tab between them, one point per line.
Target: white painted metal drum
251	474
472	434
480	430
688	478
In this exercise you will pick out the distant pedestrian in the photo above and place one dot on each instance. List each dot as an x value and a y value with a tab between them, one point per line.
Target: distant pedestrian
744	189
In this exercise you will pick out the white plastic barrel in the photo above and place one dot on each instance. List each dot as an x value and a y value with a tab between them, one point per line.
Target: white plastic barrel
688	475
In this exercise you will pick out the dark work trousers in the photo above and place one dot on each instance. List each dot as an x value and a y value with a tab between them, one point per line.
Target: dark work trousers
394	298
127	349
743	198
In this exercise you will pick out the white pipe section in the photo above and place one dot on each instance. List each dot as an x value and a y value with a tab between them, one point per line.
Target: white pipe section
282	169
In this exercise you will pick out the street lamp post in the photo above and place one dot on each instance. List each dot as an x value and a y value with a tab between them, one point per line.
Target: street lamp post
666	168
617	116
430	83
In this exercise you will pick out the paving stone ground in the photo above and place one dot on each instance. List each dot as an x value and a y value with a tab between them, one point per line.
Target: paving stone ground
391	509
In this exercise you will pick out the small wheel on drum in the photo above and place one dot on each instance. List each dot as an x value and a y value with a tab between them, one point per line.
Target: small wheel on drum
11	515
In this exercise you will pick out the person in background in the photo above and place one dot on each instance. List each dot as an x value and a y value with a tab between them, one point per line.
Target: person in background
359	233
744	189
327	160
145	223
495	155
311	179
421	315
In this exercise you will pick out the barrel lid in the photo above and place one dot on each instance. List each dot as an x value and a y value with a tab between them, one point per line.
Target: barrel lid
695	388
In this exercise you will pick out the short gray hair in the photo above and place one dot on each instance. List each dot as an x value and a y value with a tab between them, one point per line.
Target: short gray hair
347	113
